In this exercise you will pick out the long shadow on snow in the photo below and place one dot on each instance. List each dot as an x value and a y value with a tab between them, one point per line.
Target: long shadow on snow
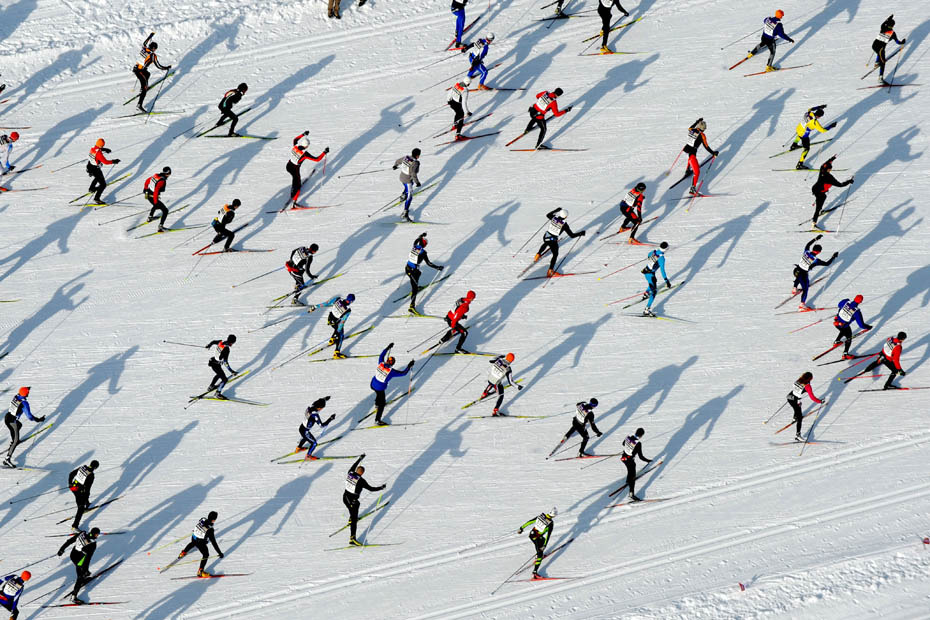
448	440
178	600
56	233
62	301
770	108
143	461
288	498
833	9
659	385
72	127
69	61
13	15
704	416
50	480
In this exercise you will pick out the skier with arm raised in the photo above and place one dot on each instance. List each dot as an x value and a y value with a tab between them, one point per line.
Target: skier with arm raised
772	30
312	417
141	69
355	484
808	261
298	156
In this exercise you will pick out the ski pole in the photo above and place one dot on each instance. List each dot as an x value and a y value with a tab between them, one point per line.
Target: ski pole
357	174
168	544
843	208
776	412
565	257
522	566
320	344
183	344
152	109
440	82
621	269
546	6
267	273
669	171
436	62
897	62
741	38
68	166
389	204
414	347
528	240
13	572
122	217
110	204
23	499
272	324
466	383
806	326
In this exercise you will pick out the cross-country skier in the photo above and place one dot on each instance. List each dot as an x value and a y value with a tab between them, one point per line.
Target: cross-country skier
95	159
218	362
825	180
558	223
655	262
772	29
202	534
85	543
11	588
696	135
231	98
458	9
802	385
355	484
7	141
379	382
885	34
603	10
808	261
298	265
221	222
847	312
540	534
312	417
454	320
584	415
141	70
409	168
18	406
632	448
810	123
412	268
337	319
458	101
631	207
558	8
476	58
159	182
298	156
546	101
500	370
890	358
80	481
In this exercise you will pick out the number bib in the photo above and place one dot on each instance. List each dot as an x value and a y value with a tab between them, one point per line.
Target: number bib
352	483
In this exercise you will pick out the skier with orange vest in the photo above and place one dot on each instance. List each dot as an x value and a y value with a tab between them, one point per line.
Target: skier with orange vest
299	155
631	207
546	101
383	375
141	70
890	358
95	159
158	181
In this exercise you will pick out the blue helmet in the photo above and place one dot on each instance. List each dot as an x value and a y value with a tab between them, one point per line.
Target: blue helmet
350	298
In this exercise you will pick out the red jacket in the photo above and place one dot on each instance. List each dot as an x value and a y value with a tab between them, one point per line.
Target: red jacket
545	102
97	155
159	185
454	316
895	345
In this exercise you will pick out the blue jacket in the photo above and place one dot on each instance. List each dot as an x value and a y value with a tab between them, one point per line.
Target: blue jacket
23	408
477	59
857	316
659	264
384	373
779	30
11	582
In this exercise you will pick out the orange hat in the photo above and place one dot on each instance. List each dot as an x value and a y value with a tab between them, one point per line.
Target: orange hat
509	357
26	575
100	142
779	14
24	391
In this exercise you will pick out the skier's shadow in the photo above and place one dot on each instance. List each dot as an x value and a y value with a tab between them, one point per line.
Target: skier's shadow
13	15
288	497
51	480
833	9
68	62
56	233
706	417
178	600
69	129
660	381
63	300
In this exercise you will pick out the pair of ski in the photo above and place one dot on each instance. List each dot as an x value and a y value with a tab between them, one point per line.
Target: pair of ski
95	507
837	344
90	579
776	70
384	424
526	564
332	343
614	29
644	295
799	148
378	506
798	292
623	230
461	138
206	394
305	287
645	471
474	120
488	395
299	450
226	120
109	183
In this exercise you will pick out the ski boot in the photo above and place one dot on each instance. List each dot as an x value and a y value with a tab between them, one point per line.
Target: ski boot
803	307
405	217
459	137
623	229
150	218
295	301
219	396
76	601
461	350
161	228
339	355
552	273
141	109
353	542
182	554
794	146
798	438
605	50
847	356
543	147
412	309
633	498
648	312
536	258
482	87
582	454
802	166
770	68
202	574
693	190
8	463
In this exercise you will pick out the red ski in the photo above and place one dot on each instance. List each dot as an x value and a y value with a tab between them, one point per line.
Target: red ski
854	336
739	63
464	30
214	576
895	389
792	423
557	275
465	138
545	149
802	311
795	294
778	69
474	120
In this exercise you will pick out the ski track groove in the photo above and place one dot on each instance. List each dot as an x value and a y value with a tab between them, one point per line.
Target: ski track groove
750	481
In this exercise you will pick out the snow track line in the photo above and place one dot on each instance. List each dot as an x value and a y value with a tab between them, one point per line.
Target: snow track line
788	525
405	567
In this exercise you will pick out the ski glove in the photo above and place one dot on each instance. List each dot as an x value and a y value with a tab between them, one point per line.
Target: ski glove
903	41
835	254
716	153
390	346
818	237
668	284
902	373
599	434
520	531
116	161
326	150
410	365
582	233
221	555
569	108
382	487
441	267
418	184
519	388
831	126
42	419
306	132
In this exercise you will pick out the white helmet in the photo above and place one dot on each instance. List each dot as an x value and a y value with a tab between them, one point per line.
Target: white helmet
467	81
303	142
489	37
561	214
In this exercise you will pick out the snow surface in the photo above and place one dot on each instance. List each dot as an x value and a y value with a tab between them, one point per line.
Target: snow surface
834	532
